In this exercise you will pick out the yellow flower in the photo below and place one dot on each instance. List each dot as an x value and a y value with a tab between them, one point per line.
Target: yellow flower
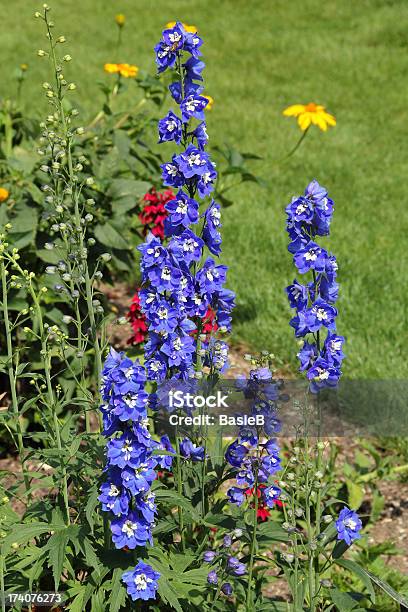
128	70
310	113
120	20
210	102
4	194
125	70
23	67
111	68
188	28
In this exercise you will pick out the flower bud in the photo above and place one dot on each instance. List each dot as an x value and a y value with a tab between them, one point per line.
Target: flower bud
71	86
67	58
41	53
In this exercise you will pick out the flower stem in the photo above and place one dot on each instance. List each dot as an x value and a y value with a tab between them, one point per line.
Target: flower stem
180	492
2	592
249	606
12	377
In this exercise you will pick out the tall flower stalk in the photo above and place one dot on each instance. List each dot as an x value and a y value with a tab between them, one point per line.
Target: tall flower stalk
69	209
178	290
321	355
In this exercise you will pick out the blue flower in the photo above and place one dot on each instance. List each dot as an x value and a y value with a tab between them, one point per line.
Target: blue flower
130	531
200	135
209	556
192	162
348	526
193	106
166	461
323	374
307	355
182	212
236	566
211	277
333	349
310	257
166	277
298	295
227	589
194	68
236	495
188	450
113	497
138	480
236	453
141	582
192	44
171	174
145	504
271	495
165	318
187	246
179	350
212	577
170	128
125	451
206	182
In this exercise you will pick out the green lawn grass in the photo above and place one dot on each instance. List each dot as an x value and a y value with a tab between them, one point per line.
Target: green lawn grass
262	56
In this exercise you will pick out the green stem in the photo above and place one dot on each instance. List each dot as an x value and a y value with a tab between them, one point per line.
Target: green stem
254	536
2	589
12	378
77	216
180	492
309	529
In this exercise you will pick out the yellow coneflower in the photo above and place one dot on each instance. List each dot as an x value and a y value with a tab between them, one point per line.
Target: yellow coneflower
128	70
309	114
120	20
125	70
111	68
4	194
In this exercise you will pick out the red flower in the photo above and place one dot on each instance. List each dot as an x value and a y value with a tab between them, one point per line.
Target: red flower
154	213
263	513
137	320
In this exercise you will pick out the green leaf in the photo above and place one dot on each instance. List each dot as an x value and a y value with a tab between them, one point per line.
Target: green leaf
89	553
109	236
355	494
403	601
90	507
344	602
22	534
352	566
177	500
56	546
121	188
77	603
273	531
118	592
168	595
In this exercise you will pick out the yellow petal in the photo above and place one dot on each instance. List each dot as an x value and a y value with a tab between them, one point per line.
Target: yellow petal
329	118
170	25
294	110
111	68
210	102
319	121
304	121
